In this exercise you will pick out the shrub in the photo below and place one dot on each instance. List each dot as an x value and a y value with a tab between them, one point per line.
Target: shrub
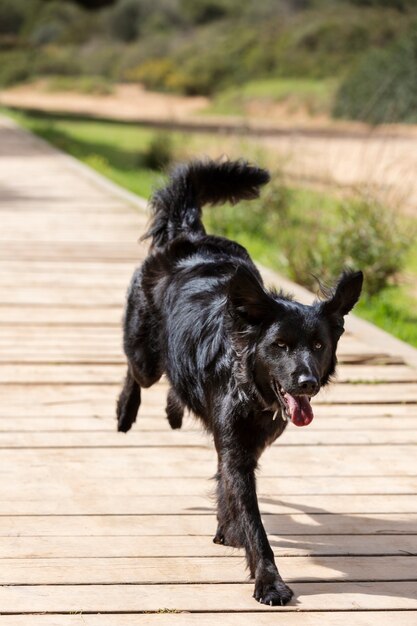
55	60
159	153
15	66
383	86
125	19
401	5
57	21
204	11
12	16
365	235
286	228
81	84
154	73
100	58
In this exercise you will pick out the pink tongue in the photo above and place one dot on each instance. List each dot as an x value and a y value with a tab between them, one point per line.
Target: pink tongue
299	409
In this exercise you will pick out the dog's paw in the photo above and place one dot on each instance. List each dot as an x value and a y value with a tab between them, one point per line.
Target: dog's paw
275	593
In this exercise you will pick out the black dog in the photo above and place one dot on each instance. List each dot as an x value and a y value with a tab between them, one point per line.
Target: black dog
241	358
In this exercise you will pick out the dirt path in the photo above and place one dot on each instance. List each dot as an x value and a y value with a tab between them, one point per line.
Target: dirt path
127	102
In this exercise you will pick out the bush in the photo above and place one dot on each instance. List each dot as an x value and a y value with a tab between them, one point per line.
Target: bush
57	21
81	84
365	235
12	16
125	19
204	11
383	87
56	60
154	73
159	153
100	58
15	67
287	230
401	5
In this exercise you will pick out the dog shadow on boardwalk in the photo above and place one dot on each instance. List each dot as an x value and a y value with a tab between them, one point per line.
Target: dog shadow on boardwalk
326	536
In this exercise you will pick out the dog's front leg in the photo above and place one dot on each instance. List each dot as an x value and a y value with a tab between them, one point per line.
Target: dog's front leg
237	476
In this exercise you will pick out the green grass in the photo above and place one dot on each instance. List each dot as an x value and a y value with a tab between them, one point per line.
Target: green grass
394	311
310	95
118	151
115	150
97	85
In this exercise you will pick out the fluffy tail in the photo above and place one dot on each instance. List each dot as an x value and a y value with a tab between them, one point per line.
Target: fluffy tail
177	207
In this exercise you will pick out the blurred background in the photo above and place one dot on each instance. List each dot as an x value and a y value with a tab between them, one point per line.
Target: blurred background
322	92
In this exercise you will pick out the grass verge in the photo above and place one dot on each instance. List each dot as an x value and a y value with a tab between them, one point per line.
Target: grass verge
309	96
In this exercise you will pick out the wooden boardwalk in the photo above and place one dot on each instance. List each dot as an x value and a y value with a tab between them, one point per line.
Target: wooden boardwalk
104	529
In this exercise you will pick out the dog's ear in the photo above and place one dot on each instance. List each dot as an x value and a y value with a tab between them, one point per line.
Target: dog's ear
345	295
248	298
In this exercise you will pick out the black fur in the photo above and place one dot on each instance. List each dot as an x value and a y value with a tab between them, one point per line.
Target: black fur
197	310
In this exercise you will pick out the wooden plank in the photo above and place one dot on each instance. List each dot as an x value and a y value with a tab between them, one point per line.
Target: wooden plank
341	393
192	524
196	438
93	408
202	546
378	410
104	599
53	316
69	354
279	486
165	618
100	373
201	462
105	252
61	373
358	416
375	373
148	427
26	499
164	570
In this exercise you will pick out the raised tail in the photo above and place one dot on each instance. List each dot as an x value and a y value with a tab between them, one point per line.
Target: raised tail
177	207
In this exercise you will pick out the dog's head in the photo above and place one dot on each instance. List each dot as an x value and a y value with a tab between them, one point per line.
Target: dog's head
290	347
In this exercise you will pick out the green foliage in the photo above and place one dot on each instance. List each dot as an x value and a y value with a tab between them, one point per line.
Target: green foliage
159	152
126	18
13	14
160	74
393	310
312	95
365	235
81	84
204	11
197	46
370	235
312	240
129	20
401	5
57	22
15	66
54	59
383	87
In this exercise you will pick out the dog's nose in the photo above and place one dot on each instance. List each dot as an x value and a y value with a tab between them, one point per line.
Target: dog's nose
308	384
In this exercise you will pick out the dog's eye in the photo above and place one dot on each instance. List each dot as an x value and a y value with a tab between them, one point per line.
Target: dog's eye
281	344
317	345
